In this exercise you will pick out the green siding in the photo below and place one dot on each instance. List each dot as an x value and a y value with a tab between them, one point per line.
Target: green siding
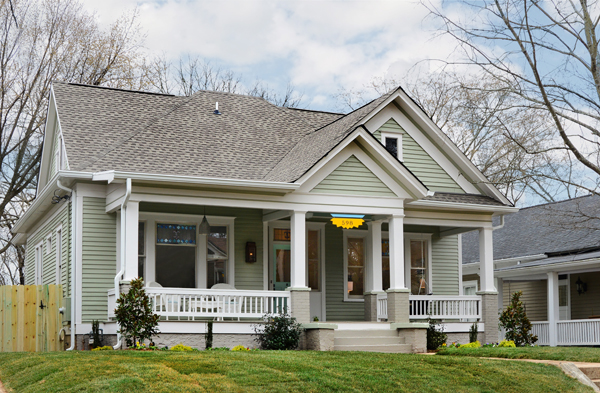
98	258
49	258
336	308
352	177
419	162
247	228
445	265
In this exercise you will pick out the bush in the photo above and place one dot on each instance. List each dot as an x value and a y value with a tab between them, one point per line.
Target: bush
181	348
473	332
507	344
104	348
278	332
435	335
240	348
137	321
208	338
96	339
515	321
474	344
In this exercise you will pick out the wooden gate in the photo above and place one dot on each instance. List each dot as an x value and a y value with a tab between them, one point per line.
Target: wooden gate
30	318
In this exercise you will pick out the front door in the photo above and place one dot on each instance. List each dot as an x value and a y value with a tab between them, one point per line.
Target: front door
564	312
281	267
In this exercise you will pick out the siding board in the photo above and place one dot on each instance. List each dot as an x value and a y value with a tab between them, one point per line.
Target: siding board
445	265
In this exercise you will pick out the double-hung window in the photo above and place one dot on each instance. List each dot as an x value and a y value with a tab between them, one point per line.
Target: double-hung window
217	255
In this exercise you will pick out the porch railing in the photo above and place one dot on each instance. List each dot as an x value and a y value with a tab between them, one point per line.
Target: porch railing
214	303
436	307
542	331
571	332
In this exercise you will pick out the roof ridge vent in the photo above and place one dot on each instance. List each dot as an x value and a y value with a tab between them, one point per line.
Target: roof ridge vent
216	112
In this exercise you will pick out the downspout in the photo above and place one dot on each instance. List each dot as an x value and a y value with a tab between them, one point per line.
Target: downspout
501	223
120	273
73	264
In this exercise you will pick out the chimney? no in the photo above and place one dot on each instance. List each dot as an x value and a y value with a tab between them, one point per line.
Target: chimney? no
216	112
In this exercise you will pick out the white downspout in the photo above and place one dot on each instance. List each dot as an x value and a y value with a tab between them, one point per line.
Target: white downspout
120	273
73	253
501	223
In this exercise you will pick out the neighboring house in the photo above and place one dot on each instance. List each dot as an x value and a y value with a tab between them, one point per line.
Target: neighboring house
551	252
340	218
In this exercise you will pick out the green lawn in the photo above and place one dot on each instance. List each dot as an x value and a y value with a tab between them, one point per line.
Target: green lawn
265	371
572	354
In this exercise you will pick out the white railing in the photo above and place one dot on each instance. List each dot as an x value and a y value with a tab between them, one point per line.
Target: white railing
445	307
382	306
214	303
542	331
578	332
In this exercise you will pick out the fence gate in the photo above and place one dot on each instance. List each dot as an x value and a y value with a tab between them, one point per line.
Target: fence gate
30	318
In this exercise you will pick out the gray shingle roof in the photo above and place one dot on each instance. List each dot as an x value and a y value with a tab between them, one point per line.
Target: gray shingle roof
463	198
571	226
316	119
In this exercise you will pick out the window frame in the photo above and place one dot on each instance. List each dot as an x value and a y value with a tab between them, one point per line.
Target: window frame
38	260
398	137
355	233
470	283
408	236
48	244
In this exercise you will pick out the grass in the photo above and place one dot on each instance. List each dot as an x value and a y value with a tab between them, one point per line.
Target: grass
265	371
571	354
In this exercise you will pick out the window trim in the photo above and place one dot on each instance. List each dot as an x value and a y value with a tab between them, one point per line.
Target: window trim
469	283
48	245
397	136
354	233
58	254
38	261
408	236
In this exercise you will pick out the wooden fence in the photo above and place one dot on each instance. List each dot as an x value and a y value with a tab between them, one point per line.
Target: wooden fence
30	318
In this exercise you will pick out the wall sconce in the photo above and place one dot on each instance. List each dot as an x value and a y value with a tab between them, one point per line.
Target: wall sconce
350	283
250	252
581	286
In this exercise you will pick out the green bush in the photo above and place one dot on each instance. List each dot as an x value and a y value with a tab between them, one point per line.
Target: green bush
104	348
137	322
507	344
181	348
435	335
515	321
278	332
473	333
208	338
474	344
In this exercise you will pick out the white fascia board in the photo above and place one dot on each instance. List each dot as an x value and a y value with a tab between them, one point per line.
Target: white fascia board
368	141
464	206
19	239
562	267
254	185
473	267
48	138
470	268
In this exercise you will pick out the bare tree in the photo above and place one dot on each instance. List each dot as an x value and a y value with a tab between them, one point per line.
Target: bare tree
544	54
42	41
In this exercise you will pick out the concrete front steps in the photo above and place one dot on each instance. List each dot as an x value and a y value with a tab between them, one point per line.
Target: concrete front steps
380	340
592	372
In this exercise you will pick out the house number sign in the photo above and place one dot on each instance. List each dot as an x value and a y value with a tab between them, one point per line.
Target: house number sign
347	223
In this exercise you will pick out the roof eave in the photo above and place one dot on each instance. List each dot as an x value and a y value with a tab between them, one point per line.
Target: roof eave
465	206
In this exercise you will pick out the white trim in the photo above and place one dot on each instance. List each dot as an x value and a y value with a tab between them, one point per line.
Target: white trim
78	238
460	264
266	253
393	135
40	224
360	234
38	271
462	206
408	236
469	283
59	257
48	245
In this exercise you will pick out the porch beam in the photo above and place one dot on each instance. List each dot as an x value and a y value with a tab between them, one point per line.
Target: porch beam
276	215
552	307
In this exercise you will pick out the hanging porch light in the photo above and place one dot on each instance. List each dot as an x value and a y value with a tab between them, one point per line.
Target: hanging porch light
204	228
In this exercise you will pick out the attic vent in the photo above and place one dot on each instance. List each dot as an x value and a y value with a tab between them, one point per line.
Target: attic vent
216	112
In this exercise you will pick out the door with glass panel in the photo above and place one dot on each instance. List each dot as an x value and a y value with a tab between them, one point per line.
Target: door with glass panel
281	267
564	312
419	267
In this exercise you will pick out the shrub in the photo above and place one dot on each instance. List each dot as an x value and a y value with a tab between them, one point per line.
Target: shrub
515	321
209	335
435	335
104	348
473	332
474	344
507	344
240	348
181	348
96	339
137	321
278	332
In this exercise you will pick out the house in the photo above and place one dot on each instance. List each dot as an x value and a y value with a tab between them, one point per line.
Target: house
230	207
551	252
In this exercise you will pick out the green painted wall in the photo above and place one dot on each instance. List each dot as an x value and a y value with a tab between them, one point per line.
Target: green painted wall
352	177
98	258
445	265
248	228
336	308
49	256
419	162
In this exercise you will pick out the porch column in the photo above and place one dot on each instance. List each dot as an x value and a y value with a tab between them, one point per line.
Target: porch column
398	302
131	217
489	296
553	308
374	283
300	293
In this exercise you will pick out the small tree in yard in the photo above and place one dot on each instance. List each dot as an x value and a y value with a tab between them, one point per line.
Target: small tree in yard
515	321
435	335
134	314
279	332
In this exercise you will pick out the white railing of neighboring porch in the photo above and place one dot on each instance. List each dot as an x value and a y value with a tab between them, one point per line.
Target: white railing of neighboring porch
436	307
213	303
542	331
571	332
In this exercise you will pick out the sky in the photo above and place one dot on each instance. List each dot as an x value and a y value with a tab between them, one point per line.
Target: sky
318	46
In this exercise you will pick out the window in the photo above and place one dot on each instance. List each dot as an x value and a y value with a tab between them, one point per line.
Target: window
58	256
313	260
37	279
217	256
175	256
385	262
141	249
355	269
393	144
419	264
470	288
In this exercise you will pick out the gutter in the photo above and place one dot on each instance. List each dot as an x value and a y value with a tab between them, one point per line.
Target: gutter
501	223
120	273
463	206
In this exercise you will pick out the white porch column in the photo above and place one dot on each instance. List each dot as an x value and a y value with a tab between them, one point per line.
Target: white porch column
486	260
374	282
131	215
398	294
300	293
552	307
